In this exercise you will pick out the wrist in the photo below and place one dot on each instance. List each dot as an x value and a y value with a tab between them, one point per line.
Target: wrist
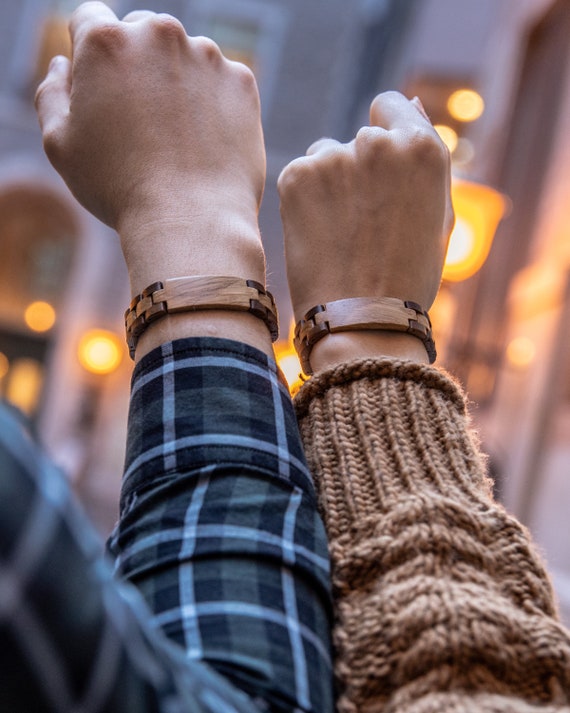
241	327
203	240
220	245
203	297
341	347
362	316
191	232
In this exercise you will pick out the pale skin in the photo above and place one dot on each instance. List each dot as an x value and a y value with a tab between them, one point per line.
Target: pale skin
370	218
159	136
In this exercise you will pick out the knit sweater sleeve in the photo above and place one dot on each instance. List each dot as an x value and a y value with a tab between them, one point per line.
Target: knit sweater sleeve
442	603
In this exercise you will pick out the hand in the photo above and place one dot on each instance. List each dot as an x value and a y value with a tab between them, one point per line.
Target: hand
370	218
147	125
159	136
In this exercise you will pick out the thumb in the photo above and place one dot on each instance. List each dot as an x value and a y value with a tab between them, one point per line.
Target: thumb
52	99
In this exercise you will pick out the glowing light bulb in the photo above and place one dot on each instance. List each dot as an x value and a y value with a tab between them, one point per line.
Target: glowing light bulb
39	316
25	384
100	351
465	105
521	352
460	247
478	210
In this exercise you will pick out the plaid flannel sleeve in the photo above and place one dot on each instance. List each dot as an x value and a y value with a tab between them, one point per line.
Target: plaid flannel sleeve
219	532
72	638
219	527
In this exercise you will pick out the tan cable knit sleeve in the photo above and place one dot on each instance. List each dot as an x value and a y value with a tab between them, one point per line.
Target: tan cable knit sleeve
442	603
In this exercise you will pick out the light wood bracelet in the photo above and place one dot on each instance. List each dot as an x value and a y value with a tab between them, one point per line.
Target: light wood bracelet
195	293
362	313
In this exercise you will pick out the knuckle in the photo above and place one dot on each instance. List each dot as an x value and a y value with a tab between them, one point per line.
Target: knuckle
105	37
208	49
392	94
371	136
426	146
292	176
168	27
371	141
51	144
307	173
245	75
245	80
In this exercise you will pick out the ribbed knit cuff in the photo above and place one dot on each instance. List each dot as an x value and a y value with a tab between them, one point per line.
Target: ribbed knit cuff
379	432
398	471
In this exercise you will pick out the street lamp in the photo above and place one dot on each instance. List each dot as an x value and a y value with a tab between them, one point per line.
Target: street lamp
478	211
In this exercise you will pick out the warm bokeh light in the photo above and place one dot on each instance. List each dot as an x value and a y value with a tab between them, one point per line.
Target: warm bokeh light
478	210
442	315
461	245
447	135
521	352
465	105
100	351
39	316
4	365
25	383
289	363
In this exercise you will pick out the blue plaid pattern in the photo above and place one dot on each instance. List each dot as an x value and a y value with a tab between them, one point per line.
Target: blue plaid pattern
218	532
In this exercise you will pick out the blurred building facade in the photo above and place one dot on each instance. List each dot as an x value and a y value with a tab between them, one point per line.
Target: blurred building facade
504	331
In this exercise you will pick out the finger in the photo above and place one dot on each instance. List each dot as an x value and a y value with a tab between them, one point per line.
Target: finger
89	15
138	15
392	110
416	101
52	96
146	15
322	145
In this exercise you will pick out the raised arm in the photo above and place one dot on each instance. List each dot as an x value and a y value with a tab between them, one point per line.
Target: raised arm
159	136
368	219
441	601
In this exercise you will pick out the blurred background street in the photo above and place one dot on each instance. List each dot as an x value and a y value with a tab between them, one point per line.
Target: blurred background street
494	76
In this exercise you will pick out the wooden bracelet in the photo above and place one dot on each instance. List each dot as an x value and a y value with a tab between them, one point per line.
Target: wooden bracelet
362	313
192	294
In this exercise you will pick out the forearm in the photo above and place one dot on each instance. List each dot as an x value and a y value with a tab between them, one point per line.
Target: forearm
438	591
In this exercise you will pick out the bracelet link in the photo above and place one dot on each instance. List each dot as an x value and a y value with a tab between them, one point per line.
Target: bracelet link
196	293
362	313
307	333
264	308
422	329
